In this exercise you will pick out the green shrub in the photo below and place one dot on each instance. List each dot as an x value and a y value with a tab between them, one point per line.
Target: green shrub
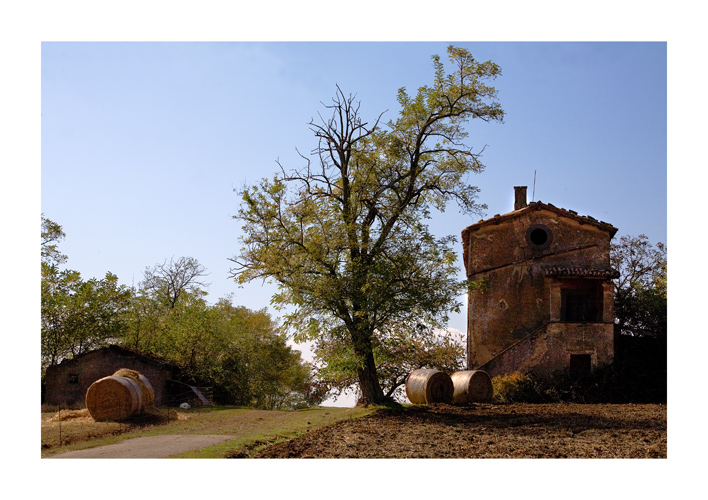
618	383
517	388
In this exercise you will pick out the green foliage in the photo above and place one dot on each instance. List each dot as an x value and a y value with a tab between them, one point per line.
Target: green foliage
345	239
52	233
397	352
641	289
517	388
481	286
77	315
168	281
255	366
241	353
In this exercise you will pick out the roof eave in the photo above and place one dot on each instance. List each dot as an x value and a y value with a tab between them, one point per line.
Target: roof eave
538	205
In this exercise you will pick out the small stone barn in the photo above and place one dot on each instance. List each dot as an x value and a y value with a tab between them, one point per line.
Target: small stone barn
542	296
67	382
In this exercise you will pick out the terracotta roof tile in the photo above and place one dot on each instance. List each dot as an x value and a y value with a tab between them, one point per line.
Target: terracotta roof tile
580	272
538	205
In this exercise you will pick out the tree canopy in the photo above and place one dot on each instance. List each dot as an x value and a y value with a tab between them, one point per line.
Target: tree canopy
641	289
241	353
52	233
344	236
77	315
171	279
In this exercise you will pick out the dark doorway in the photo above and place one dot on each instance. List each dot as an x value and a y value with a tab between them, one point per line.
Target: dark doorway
580	364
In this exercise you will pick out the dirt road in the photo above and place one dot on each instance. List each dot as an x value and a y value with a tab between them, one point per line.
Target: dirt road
148	447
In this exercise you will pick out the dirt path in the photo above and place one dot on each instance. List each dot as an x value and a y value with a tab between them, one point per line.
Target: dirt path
148	447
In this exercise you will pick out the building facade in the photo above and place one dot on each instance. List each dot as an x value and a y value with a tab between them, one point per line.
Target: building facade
541	297
67	382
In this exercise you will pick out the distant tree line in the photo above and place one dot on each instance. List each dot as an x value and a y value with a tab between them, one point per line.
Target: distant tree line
241	353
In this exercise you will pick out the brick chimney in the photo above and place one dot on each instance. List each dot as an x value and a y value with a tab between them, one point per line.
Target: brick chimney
519	197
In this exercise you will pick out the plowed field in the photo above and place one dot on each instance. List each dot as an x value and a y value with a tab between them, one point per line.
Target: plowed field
487	431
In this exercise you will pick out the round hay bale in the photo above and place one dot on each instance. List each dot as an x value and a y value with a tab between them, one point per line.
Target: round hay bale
426	386
113	398
148	394
472	386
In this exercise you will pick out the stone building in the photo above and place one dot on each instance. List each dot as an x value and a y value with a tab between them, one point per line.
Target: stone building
67	382
542	295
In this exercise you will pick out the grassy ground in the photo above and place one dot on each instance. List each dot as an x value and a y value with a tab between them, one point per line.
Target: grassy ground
255	428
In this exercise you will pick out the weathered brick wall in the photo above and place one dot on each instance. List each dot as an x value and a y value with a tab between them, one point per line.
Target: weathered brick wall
549	350
512	297
67	382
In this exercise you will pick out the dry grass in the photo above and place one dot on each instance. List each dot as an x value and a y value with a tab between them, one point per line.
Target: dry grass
252	426
67	427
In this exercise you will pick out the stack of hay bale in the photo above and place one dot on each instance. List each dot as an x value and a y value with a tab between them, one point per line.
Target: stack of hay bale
124	394
427	386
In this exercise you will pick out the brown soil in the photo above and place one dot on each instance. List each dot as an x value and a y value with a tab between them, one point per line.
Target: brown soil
487	431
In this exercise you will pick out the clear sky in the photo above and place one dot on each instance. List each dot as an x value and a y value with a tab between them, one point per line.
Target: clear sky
145	145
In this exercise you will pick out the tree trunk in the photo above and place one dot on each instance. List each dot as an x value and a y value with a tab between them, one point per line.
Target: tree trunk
371	392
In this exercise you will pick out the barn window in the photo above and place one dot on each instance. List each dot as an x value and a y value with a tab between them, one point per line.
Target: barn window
581	301
73	378
580	364
539	236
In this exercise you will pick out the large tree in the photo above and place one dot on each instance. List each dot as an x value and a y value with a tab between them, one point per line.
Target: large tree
398	350
344	236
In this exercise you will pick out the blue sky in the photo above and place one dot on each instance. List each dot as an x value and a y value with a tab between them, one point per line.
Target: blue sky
143	144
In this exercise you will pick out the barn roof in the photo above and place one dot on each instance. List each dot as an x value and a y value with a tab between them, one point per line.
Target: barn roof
123	351
538	205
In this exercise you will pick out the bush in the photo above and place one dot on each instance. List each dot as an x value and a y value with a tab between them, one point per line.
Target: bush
517	388
619	383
